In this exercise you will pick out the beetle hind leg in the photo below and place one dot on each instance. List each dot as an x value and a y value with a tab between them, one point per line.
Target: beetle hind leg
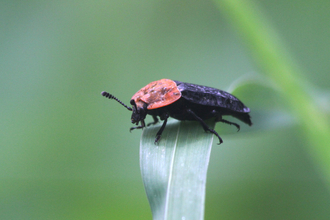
228	122
204	125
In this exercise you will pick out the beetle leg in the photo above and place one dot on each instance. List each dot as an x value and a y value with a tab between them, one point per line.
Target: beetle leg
138	127
228	122
204	125
155	120
159	133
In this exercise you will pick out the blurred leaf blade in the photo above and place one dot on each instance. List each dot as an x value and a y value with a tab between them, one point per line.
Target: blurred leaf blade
174	171
269	110
273	57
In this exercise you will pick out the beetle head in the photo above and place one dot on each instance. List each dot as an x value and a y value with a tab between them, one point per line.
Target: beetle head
139	112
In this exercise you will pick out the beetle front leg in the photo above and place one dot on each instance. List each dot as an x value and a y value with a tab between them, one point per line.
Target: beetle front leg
204	125
138	127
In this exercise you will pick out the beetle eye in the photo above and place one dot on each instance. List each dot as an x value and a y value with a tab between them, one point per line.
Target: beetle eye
135	109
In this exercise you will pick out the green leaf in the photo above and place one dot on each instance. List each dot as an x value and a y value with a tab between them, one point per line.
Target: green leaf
174	171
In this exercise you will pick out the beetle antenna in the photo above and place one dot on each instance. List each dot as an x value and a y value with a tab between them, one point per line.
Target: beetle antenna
109	96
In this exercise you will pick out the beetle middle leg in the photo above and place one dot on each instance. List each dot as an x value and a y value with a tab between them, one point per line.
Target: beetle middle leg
154	122
228	122
204	125
159	133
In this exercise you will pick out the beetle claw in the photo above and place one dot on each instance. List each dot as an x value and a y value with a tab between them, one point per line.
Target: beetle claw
220	141
138	127
157	139
216	134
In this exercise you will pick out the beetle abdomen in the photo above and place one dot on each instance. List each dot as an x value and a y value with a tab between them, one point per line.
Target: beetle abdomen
209	96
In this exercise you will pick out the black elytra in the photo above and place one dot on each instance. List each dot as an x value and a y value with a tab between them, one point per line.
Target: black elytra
183	101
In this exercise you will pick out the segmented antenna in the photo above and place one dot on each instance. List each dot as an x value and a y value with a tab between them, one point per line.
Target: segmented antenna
109	96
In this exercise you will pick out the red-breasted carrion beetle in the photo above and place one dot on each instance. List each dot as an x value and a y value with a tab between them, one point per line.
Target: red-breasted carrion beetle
183	101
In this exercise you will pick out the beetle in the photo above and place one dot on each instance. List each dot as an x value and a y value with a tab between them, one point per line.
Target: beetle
183	101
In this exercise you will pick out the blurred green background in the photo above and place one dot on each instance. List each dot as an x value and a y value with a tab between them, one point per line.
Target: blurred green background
66	152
